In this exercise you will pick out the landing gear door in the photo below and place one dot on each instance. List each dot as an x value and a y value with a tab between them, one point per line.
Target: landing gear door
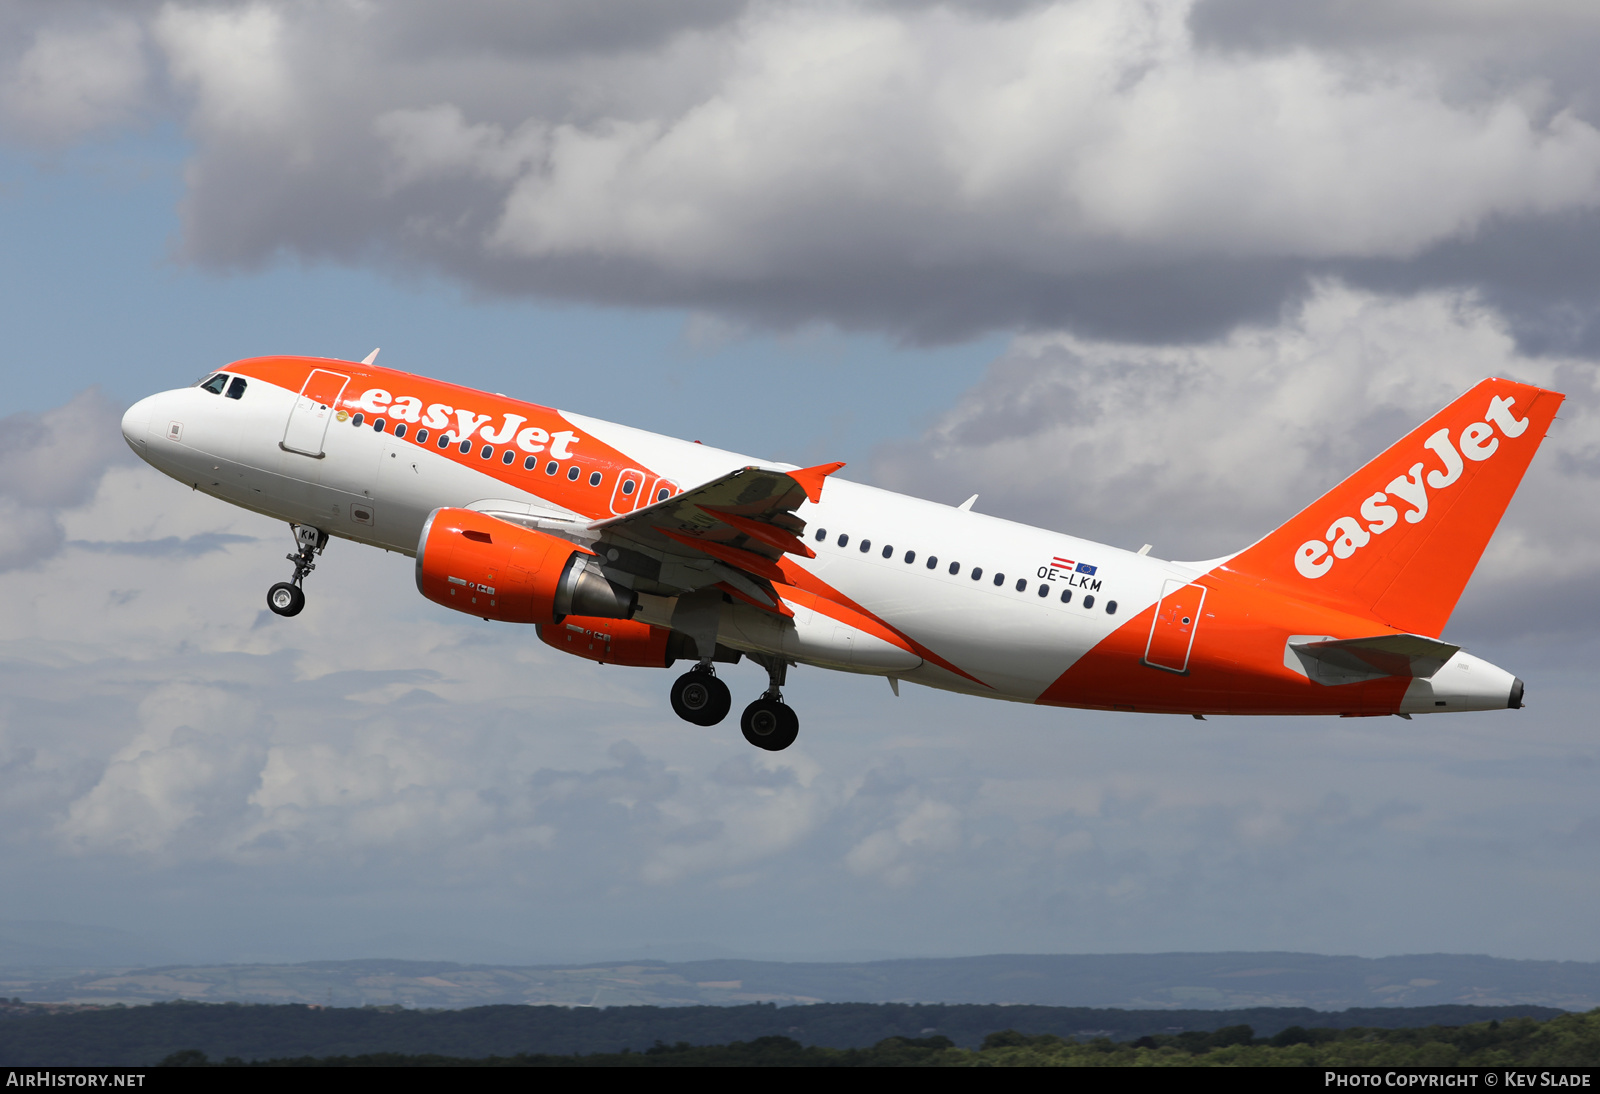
313	410
1172	632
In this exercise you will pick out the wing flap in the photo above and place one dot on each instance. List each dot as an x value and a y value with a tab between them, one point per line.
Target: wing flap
734	529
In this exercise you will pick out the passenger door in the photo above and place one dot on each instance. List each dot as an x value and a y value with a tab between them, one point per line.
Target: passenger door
1172	632
312	411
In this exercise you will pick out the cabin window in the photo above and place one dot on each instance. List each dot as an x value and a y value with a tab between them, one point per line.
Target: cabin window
822	534
400	429
466	447
977	573
1044	590
1066	596
422	436
594	478
358	419
444	441
1088	601
573	472
530	463
552	467
844	539
933	562
216	383
627	487
955	567
487	453
1111	607
236	389
509	458
663	494
888	552
999	580
378	424
1022	584
911	556
866	545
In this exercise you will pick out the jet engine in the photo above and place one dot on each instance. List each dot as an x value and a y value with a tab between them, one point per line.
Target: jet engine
612	641
626	642
490	568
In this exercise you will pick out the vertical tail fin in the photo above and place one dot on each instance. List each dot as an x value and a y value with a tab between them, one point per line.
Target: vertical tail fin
1398	540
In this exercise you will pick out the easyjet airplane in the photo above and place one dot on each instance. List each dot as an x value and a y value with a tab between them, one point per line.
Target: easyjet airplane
631	548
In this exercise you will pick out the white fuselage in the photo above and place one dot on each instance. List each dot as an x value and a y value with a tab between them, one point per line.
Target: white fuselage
1015	642
974	603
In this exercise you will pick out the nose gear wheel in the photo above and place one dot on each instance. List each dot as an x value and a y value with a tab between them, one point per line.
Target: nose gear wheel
286	599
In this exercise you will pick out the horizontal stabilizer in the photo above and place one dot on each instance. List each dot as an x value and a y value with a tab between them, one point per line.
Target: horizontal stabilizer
1340	661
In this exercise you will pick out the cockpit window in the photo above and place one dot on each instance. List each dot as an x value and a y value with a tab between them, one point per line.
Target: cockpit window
216	383
236	389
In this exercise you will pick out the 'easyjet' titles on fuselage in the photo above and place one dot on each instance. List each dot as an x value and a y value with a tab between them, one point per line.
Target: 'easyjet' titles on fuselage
468	423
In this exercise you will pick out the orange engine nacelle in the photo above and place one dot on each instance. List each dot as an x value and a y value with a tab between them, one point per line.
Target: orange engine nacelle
491	568
611	641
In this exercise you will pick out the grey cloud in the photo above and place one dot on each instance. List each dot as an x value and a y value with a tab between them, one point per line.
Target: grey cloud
72	68
48	463
932	170
166	547
1263	24
420	29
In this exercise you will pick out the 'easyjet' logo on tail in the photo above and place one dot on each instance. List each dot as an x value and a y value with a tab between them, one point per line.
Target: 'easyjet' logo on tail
1347	535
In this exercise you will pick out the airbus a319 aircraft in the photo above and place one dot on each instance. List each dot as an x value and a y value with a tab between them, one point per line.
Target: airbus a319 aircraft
631	548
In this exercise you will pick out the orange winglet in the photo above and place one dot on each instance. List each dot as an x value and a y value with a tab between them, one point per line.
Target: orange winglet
733	556
778	609
810	478
770	534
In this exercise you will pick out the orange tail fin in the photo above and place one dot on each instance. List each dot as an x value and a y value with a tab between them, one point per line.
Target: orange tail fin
1398	540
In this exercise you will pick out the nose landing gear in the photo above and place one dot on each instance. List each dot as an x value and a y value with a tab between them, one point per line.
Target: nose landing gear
286	597
699	697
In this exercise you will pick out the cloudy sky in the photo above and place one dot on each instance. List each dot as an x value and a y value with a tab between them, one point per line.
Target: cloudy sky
1155	272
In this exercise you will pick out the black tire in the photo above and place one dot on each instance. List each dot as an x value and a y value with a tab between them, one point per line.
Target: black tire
770	724
701	698
286	599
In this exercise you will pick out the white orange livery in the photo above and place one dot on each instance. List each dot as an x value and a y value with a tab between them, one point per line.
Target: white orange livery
631	548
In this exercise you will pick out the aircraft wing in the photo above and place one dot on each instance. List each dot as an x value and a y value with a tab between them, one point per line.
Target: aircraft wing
730	532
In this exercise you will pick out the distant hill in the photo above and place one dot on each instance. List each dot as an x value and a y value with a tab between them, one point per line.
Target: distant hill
1136	981
145	1035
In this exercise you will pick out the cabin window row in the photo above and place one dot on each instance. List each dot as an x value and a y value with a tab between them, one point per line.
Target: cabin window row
507	457
931	562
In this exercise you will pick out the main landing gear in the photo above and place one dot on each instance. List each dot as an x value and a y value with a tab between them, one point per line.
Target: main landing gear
699	697
769	723
286	597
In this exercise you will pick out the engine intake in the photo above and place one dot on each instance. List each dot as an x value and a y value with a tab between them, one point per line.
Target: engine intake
490	568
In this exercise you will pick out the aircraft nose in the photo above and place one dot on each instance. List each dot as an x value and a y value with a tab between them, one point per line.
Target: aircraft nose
136	424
